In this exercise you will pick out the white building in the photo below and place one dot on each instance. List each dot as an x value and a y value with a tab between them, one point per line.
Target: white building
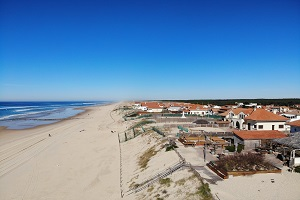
261	119
237	116
196	109
175	109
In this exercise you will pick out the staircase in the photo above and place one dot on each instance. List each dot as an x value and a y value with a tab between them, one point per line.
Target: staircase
156	178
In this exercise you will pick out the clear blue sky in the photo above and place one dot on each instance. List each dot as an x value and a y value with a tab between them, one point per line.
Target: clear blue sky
167	49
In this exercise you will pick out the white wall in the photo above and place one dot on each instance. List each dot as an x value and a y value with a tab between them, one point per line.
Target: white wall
154	110
198	112
266	125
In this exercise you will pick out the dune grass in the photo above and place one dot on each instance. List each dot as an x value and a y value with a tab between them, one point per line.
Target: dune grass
145	158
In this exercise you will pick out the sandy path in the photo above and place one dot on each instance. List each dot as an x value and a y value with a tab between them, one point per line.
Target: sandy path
79	161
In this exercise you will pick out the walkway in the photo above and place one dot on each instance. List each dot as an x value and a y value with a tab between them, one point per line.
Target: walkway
195	156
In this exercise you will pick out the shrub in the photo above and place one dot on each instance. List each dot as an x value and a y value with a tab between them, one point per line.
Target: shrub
150	189
165	181
244	162
204	192
171	147
297	169
232	148
147	155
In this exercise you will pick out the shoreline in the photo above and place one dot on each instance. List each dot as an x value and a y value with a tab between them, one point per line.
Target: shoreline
80	159
22	133
84	109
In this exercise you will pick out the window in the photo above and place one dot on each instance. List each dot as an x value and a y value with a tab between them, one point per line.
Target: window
280	126
254	126
260	126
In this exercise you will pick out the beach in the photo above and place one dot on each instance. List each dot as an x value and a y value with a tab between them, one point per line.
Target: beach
81	158
76	158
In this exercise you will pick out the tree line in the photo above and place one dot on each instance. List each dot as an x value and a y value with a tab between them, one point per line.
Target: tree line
221	102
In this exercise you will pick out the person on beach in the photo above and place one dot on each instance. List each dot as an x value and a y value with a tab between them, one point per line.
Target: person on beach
49	135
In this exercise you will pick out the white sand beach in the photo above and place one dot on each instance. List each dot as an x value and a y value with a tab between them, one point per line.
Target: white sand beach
79	161
82	160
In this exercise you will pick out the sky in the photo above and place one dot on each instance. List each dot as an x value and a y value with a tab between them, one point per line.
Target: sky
149	49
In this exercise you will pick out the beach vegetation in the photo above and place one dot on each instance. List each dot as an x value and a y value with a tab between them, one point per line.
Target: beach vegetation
134	185
150	189
244	162
204	192
171	147
146	156
192	177
180	181
297	169
165	181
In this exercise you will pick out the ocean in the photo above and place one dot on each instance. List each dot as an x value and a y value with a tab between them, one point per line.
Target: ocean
22	115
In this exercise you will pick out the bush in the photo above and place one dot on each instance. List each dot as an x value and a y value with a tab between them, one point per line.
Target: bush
204	191
297	169
147	155
232	148
244	162
165	181
171	147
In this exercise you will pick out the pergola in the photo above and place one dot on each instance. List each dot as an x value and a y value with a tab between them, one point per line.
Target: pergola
293	141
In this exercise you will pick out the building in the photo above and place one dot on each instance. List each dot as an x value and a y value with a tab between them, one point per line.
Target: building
237	116
152	107
196	109
175	109
261	119
295	126
253	139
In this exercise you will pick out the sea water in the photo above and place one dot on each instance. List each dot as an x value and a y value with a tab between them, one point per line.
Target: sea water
22	115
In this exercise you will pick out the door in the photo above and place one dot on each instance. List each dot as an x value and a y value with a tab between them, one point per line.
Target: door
273	127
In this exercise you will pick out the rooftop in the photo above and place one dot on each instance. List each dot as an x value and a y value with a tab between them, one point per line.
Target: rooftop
254	135
294	123
264	115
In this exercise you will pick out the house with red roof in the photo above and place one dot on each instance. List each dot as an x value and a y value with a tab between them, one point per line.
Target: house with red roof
237	116
153	106
196	109
295	126
261	119
253	139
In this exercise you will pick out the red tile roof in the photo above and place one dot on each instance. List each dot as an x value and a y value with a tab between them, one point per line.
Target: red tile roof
246	111
151	105
224	114
294	123
254	135
196	107
263	115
